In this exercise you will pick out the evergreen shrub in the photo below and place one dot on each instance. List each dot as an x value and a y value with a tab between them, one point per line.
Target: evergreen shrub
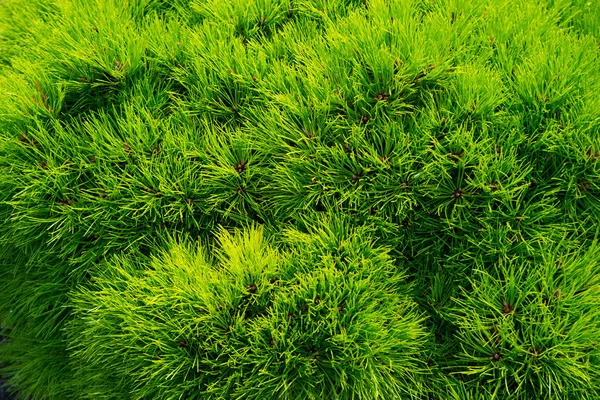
300	199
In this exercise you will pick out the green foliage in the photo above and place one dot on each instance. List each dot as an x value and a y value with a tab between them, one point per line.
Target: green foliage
540	320
254	323
421	164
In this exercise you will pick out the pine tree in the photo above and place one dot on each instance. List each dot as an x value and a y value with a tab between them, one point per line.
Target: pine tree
300	199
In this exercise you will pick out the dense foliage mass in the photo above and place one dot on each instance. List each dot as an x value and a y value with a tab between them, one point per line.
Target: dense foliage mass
300	199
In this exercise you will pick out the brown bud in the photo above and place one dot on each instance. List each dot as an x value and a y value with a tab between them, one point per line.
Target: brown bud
240	167
507	308
457	194
557	295
382	97
456	156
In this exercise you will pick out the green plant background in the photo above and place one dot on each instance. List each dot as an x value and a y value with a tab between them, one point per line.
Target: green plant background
300	199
